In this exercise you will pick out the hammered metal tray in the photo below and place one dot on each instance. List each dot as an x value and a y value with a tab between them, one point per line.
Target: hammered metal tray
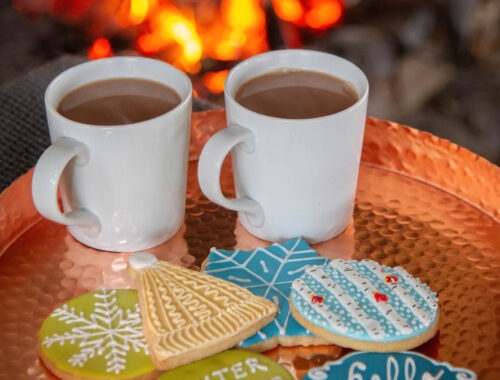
422	203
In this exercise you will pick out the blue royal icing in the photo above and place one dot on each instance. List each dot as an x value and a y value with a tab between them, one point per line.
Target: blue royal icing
267	272
391	366
364	300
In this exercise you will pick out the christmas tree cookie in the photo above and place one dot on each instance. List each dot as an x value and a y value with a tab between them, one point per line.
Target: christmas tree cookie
188	315
230	365
97	336
365	306
269	272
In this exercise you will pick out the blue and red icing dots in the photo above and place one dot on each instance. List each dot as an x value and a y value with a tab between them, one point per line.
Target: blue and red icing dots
365	300
268	272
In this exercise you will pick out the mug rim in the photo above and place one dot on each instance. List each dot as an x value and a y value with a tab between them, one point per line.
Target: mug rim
107	61
244	65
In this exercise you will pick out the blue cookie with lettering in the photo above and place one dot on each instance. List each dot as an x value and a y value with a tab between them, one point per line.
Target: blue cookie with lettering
365	306
269	272
393	366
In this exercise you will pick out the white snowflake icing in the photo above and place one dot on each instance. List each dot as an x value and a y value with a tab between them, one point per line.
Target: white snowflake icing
267	272
106	332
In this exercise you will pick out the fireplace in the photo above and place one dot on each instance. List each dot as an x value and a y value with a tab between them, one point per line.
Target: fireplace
203	37
432	64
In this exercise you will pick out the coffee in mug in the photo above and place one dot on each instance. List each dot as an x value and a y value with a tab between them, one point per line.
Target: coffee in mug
119	101
296	94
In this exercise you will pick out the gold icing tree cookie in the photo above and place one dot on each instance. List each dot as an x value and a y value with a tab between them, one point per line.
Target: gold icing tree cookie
188	315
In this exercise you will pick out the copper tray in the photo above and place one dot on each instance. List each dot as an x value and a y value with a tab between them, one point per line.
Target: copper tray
422	202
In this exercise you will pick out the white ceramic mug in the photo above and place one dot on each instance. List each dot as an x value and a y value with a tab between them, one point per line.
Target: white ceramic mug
292	177
123	187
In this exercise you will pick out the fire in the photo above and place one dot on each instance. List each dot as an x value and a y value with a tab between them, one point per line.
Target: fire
101	48
215	81
171	28
225	31
238	30
185	32
323	13
315	14
138	11
289	10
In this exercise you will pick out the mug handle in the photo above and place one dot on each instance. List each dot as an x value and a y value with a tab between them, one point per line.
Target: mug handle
47	175
210	163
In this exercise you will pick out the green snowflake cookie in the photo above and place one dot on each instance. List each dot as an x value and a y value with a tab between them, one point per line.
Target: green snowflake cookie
95	336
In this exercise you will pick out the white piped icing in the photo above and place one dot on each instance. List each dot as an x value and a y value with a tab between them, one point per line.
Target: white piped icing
302	288
403	294
264	266
100	332
141	260
371	326
417	285
371	301
268	272
237	279
368	289
388	366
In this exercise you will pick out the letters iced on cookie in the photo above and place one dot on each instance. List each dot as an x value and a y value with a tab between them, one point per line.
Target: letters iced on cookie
389	366
230	365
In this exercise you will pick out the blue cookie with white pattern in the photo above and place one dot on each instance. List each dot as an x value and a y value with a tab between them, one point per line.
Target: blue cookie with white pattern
365	306
394	365
269	272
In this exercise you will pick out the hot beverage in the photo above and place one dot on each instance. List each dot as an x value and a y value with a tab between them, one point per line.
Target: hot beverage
118	101
296	94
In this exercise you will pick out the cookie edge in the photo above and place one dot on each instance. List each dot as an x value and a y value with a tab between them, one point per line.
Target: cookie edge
52	368
363	345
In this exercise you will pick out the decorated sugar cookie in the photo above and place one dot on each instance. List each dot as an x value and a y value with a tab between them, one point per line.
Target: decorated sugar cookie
394	366
97	336
269	272
365	305
230	365
188	315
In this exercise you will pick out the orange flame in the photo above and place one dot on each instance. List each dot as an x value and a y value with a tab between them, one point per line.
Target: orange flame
238	30
138	11
170	27
224	30
215	81
289	10
324	13
101	48
315	14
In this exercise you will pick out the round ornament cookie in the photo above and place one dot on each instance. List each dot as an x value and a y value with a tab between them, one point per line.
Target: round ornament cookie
230	365
365	306
97	335
394	365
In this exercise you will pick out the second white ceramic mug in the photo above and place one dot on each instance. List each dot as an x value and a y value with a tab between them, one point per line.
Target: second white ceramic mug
123	187
293	177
